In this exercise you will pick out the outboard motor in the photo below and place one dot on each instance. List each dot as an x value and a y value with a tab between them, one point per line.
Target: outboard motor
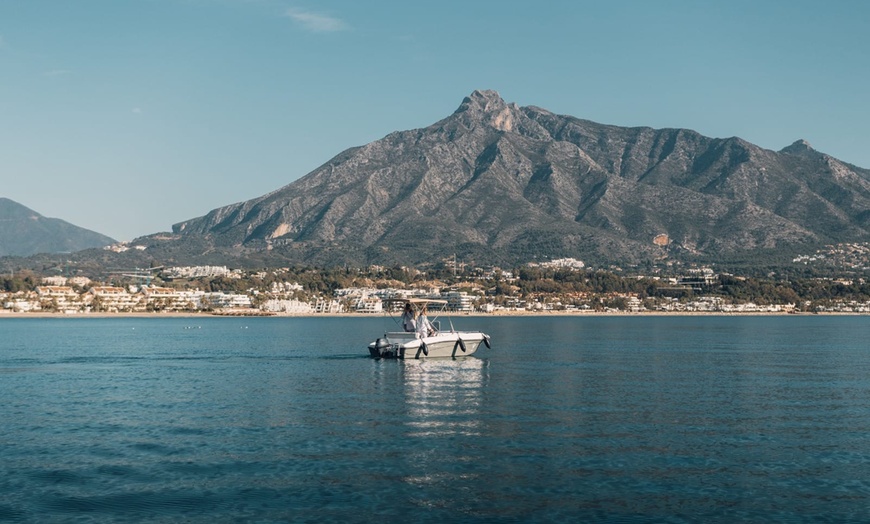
381	349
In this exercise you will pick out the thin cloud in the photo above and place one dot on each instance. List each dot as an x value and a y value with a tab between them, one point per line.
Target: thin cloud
316	22
137	111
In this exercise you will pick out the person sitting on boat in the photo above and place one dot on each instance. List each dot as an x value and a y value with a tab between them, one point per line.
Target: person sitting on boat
424	327
409	323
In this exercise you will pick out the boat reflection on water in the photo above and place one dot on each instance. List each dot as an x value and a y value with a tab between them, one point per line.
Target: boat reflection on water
442	425
443	397
437	412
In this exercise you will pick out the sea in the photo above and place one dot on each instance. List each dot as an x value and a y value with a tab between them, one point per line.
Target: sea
666	419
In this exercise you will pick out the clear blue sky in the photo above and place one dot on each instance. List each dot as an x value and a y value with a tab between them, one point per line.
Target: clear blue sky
126	116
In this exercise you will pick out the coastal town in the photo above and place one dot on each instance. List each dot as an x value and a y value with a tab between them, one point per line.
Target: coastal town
563	286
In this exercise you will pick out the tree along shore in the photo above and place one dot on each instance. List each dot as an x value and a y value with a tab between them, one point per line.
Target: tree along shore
525	289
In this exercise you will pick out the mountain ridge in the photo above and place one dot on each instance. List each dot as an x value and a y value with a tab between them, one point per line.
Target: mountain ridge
497	183
505	182
25	232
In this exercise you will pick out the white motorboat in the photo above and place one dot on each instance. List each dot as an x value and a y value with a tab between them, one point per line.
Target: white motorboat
435	343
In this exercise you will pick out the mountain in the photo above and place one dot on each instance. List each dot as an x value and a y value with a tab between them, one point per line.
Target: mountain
502	183
25	232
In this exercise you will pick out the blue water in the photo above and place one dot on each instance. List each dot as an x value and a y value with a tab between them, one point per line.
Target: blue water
592	419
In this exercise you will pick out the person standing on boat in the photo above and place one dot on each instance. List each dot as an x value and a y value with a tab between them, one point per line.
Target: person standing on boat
409	323
424	327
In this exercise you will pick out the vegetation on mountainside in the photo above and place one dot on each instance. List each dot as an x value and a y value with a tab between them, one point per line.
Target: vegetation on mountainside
25	232
507	185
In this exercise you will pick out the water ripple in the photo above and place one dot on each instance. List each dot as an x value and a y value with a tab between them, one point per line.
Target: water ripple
567	420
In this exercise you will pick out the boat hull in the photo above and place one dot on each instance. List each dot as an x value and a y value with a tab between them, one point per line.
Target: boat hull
442	345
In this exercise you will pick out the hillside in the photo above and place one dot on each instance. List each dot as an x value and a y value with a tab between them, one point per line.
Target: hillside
495	183
498	182
25	232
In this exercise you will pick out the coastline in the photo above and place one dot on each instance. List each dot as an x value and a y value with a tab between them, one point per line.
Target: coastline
5	314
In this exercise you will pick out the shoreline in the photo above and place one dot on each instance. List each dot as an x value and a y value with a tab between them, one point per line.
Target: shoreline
17	315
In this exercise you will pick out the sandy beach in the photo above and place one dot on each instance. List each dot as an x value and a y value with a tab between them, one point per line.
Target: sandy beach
512	313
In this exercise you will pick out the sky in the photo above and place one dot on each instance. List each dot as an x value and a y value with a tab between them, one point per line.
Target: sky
125	117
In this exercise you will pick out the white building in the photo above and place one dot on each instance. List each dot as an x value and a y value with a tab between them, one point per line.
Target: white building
79	281
370	305
227	300
59	298
328	306
113	299
282	288
459	301
286	306
569	263
21	302
195	272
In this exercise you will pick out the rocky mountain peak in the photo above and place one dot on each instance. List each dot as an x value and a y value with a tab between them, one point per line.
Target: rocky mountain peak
488	107
497	182
798	147
484	100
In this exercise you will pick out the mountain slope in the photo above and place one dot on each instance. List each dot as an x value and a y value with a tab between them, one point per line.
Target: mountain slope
505	183
24	232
